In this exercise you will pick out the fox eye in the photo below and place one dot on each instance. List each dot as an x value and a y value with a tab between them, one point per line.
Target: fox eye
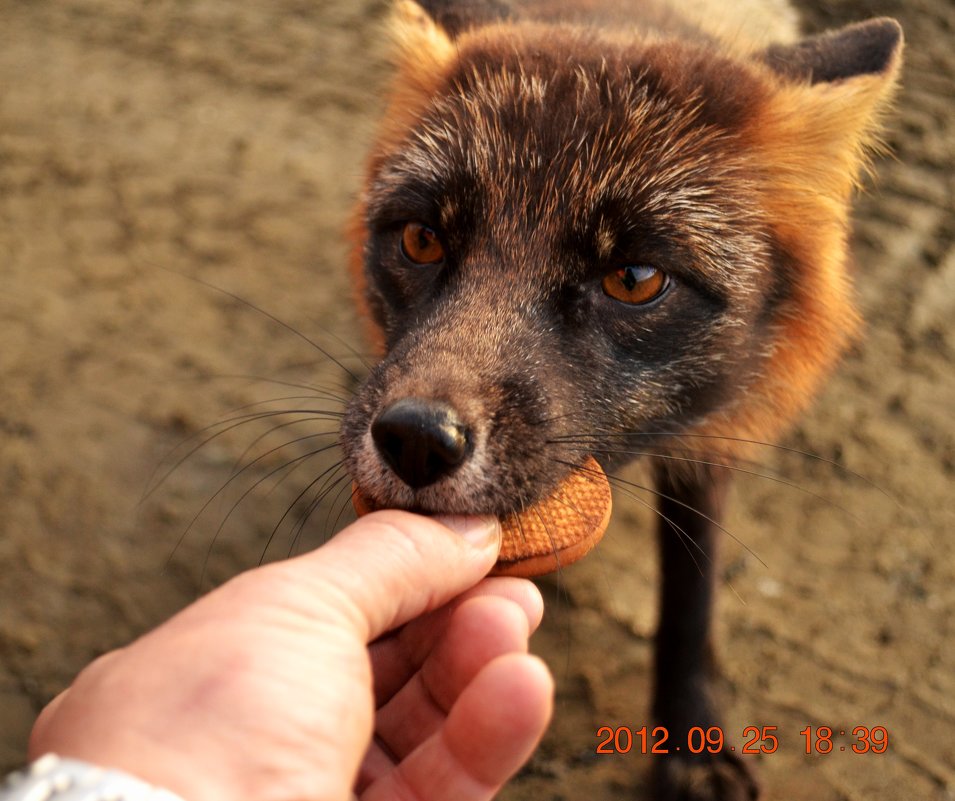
636	284
420	244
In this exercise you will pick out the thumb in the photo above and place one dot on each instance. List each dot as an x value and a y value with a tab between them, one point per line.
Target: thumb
390	567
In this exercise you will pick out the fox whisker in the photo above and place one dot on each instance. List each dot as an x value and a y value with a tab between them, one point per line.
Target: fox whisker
268	315
342	483
578	439
326	474
225	426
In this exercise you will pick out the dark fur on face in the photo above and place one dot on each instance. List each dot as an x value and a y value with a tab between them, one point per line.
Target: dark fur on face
539	173
545	158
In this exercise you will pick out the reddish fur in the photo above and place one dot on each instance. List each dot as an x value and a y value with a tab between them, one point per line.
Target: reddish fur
799	128
423	52
792	127
729	155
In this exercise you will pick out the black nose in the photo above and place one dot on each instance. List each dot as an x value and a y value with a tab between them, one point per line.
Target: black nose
421	440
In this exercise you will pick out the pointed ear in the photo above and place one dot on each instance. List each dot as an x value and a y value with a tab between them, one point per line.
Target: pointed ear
418	37
422	54
457	16
822	119
866	48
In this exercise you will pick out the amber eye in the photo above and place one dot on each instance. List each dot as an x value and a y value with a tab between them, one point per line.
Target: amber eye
420	244
636	284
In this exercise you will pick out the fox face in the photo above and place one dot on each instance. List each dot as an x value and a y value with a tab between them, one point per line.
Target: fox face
576	242
581	242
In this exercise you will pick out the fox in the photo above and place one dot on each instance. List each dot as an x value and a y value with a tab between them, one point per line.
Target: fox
610	230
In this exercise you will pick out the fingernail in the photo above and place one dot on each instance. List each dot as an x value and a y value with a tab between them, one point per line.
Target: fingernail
481	532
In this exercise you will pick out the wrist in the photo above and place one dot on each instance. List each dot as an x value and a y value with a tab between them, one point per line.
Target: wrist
54	778
192	774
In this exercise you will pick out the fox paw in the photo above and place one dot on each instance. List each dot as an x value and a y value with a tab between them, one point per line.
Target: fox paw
705	777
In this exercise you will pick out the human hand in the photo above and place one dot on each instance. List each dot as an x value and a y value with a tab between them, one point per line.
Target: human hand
267	688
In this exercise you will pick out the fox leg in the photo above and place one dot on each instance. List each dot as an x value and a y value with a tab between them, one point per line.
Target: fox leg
685	672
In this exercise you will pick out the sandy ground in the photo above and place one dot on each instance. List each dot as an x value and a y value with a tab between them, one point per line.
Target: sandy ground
143	145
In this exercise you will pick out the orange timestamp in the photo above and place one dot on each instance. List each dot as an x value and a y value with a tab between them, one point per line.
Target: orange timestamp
756	740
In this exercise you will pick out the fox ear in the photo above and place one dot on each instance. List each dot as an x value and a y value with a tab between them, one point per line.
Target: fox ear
823	117
455	17
417	33
866	48
422	53
425	31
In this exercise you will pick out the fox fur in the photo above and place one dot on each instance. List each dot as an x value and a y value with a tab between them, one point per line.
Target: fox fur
741	117
550	143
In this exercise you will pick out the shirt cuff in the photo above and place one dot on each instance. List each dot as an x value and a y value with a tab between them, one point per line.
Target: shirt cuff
54	778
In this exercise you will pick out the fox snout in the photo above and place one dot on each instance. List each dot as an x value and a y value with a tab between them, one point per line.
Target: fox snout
457	422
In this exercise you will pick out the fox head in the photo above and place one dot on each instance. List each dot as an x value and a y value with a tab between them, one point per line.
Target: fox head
575	241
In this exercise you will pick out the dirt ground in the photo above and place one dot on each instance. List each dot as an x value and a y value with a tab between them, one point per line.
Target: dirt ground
146	144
